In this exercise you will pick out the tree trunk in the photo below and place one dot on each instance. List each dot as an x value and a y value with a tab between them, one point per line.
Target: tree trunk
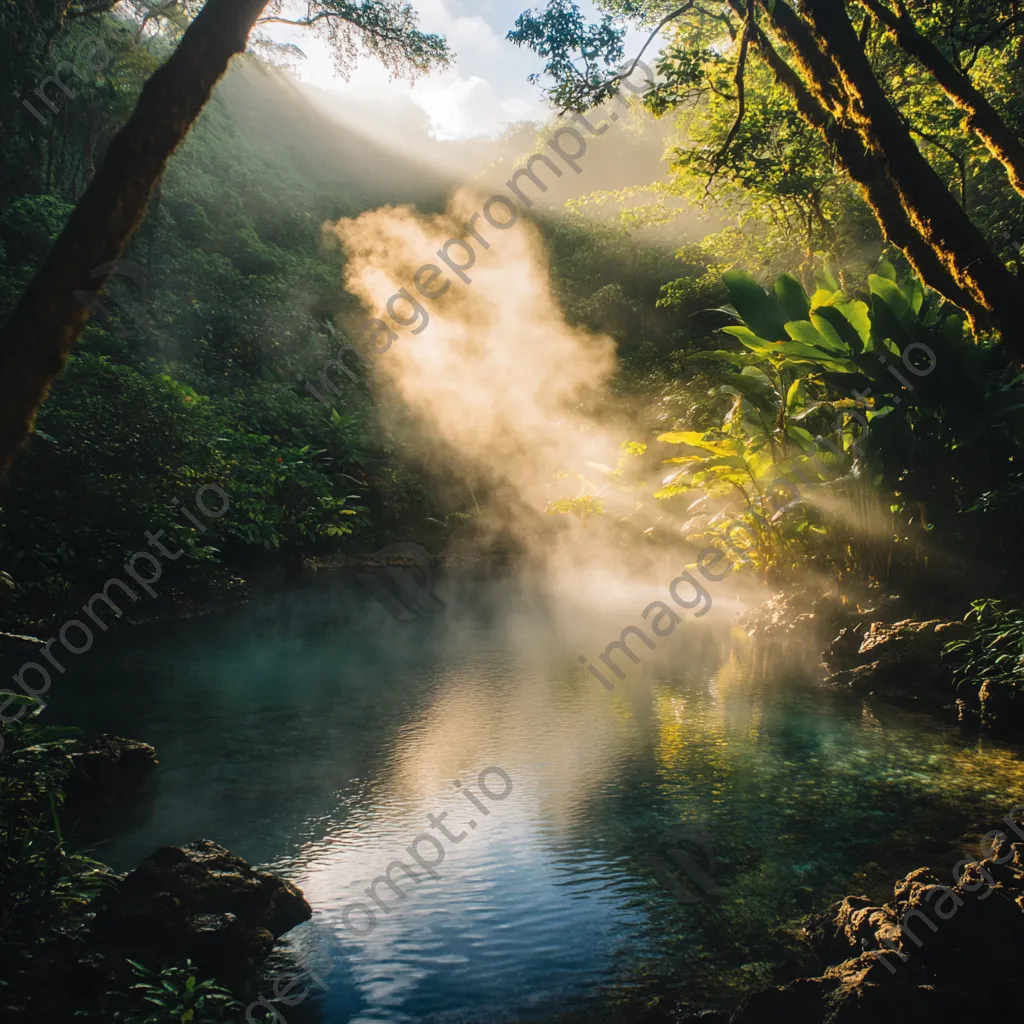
931	207
982	118
866	169
38	335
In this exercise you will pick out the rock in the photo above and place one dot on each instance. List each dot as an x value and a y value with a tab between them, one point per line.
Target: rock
685	1015
839	929
900	662
802	613
909	640
107	771
800	1002
1001	708
935	953
869	993
860	679
843	652
203	903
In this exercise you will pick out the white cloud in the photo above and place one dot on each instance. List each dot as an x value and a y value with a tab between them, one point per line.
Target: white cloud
461	107
486	89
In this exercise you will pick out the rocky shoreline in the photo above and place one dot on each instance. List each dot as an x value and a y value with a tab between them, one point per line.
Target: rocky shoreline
934	952
937	950
883	653
196	905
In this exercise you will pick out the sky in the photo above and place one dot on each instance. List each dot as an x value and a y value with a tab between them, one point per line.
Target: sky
486	88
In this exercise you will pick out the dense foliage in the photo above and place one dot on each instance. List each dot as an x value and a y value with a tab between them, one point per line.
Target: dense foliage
200	361
192	369
813	401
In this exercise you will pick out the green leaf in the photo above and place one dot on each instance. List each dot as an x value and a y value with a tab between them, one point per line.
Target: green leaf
805	332
801	435
913	293
794	350
736	358
794	393
759	310
792	297
828	338
858	315
694	438
837	330
890	294
828	278
886	270
952	330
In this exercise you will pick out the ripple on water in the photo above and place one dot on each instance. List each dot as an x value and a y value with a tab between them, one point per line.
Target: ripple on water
321	751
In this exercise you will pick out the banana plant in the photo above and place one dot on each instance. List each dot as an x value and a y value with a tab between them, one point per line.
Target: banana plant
814	371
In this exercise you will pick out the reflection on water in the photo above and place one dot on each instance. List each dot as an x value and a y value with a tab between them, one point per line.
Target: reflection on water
316	737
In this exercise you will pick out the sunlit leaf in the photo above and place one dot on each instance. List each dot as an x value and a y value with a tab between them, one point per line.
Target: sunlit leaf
759	310
891	295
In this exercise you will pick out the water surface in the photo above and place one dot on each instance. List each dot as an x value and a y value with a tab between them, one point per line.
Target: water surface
312	733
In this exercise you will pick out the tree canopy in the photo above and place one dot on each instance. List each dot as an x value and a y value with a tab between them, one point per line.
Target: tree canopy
894	98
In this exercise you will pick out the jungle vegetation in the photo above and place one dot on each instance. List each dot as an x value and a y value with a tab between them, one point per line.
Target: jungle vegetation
843	339
864	420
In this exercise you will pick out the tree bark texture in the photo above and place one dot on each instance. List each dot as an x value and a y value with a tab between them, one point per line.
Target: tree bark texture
866	169
38	335
982	118
931	207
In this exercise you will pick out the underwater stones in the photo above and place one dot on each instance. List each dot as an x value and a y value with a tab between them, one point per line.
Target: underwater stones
203	903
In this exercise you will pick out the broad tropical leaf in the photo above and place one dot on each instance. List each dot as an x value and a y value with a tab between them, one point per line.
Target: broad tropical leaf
759	310
792	297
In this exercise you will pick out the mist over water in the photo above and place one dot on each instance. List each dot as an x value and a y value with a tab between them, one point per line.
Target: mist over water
311	733
496	374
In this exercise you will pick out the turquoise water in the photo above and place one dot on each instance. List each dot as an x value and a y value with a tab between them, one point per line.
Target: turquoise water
313	733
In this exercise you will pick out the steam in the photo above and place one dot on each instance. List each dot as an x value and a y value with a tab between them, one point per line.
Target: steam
490	368
510	396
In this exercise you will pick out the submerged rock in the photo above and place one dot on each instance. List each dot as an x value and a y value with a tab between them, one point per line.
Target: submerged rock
202	903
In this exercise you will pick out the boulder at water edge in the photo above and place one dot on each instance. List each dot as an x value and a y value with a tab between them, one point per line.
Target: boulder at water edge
202	903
